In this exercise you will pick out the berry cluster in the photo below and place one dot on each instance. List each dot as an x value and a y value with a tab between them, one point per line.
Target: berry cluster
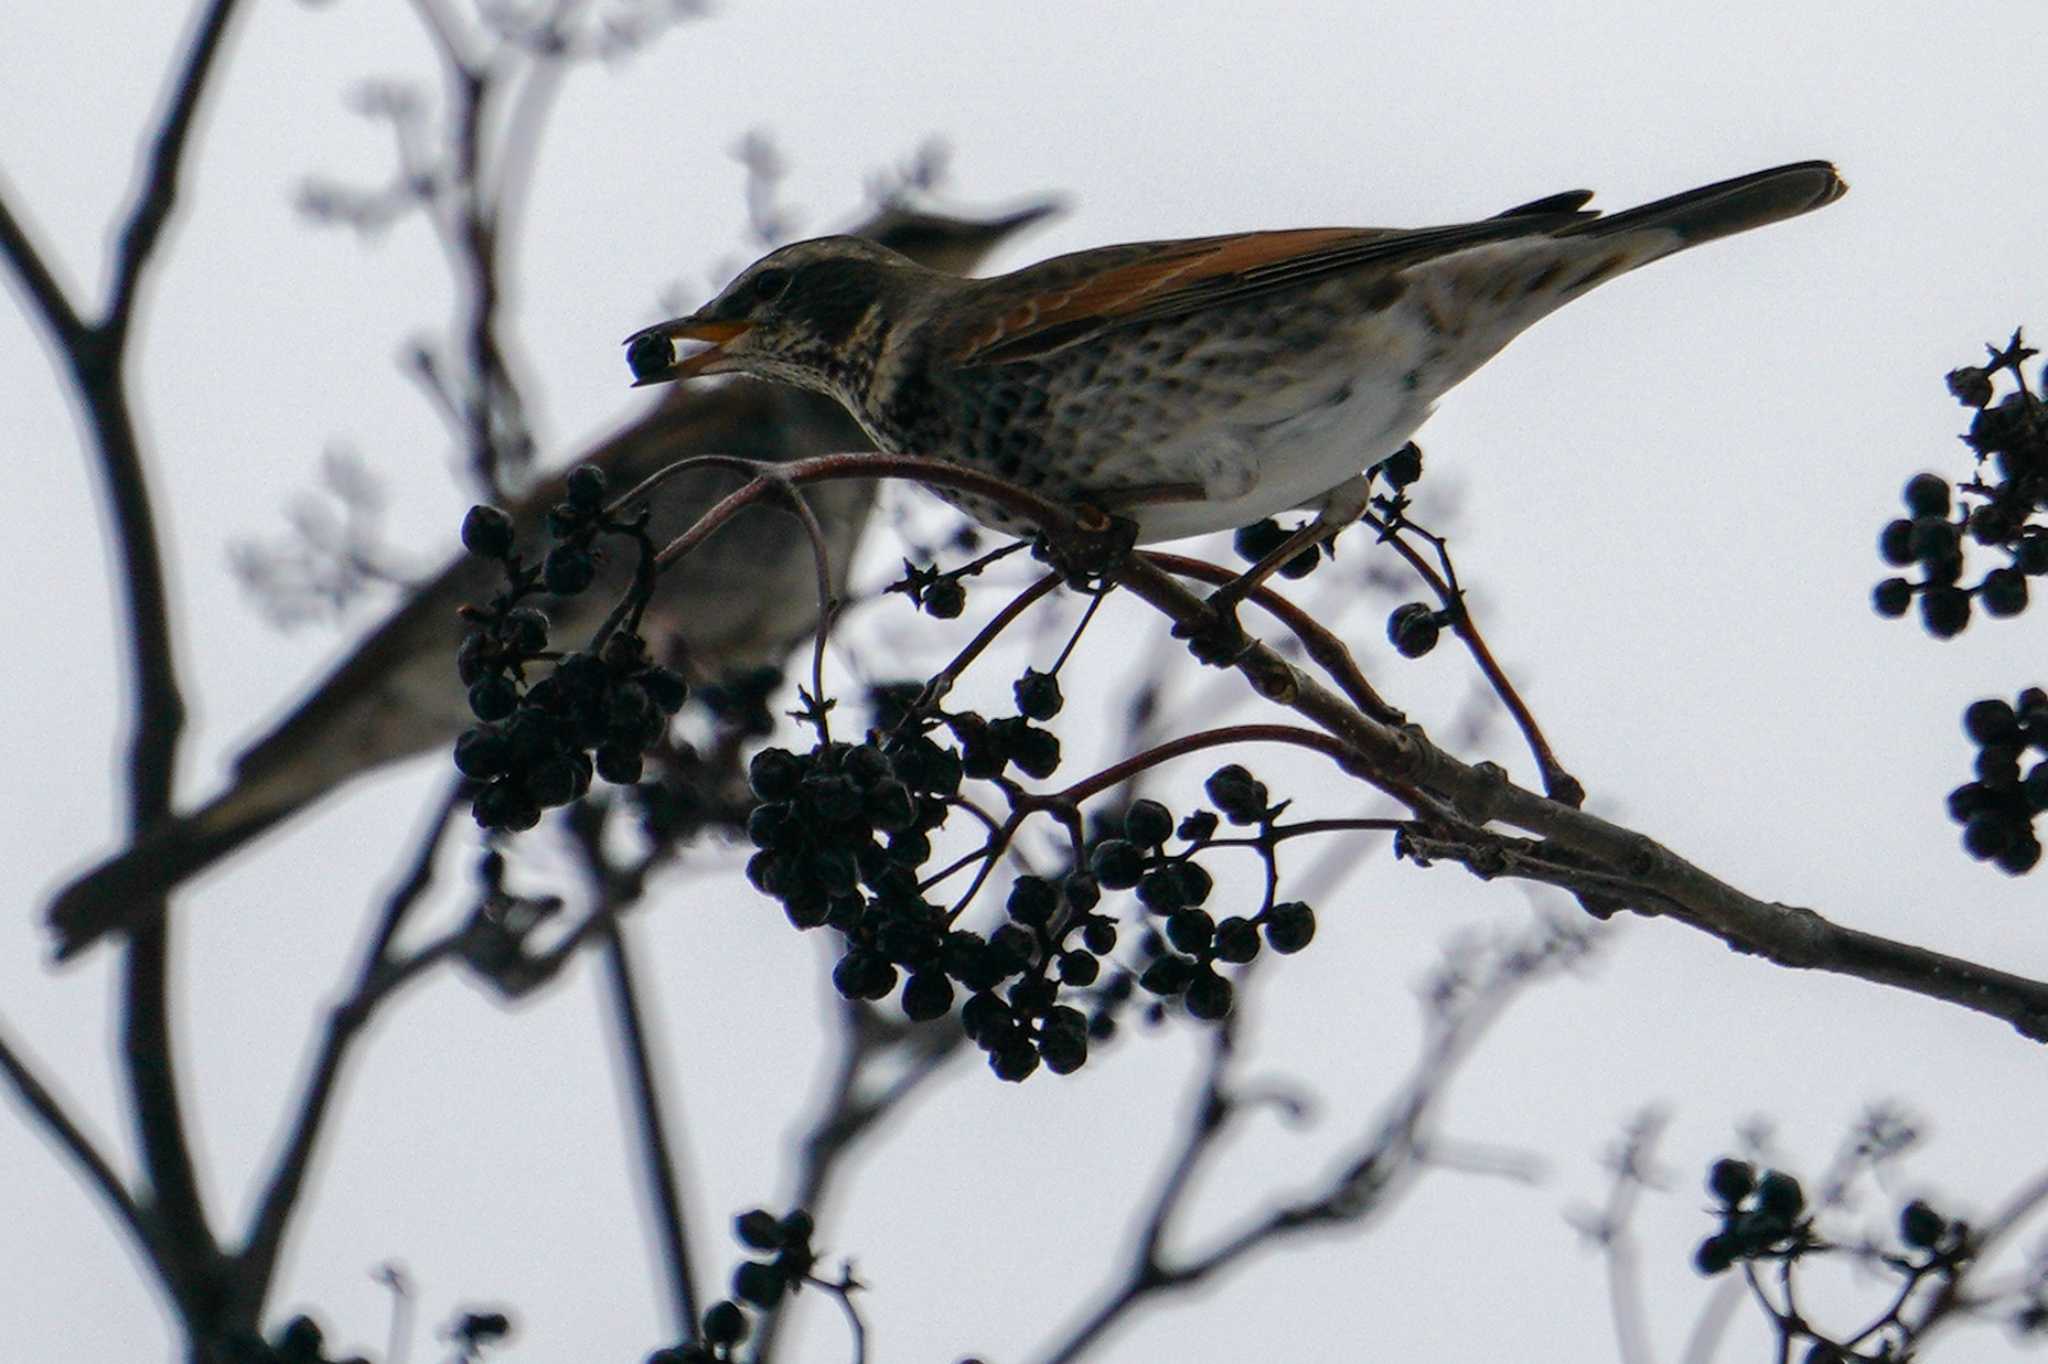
1997	810
843	831
843	834
1180	955
1762	1217
1998	512
537	746
760	1284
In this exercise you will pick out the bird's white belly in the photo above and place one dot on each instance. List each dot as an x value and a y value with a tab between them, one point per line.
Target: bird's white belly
1282	452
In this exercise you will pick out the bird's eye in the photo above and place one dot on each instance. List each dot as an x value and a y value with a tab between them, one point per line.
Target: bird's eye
768	286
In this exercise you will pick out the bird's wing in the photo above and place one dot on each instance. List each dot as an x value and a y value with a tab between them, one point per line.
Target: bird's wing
1173	279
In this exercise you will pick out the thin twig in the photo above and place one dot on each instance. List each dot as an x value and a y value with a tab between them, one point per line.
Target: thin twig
657	1157
72	1140
378	976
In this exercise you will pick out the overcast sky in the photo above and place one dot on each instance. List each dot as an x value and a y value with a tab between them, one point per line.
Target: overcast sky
1669	498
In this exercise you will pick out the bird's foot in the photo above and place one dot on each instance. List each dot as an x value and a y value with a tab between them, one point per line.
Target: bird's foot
1095	548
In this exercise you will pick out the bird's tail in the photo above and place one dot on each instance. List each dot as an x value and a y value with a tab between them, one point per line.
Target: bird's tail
1726	207
131	885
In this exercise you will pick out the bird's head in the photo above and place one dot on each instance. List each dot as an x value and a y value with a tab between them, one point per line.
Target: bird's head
805	313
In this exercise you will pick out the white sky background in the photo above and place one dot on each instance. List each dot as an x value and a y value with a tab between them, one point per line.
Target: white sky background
1671	497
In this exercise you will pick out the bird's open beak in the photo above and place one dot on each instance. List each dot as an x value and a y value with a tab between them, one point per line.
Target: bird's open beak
651	351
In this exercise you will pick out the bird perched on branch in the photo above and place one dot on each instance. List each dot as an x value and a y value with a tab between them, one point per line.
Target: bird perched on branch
1194	385
744	599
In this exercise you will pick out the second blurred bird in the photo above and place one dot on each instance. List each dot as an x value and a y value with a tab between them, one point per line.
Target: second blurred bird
746	597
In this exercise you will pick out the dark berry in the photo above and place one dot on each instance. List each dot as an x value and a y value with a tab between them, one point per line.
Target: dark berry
1991	721
568	570
1117	864
504	804
1933	539
666	688
1895	544
1971	385
1035	751
481	754
552	782
1148	823
299	1342
524	630
1731	1180
1715	1254
1167	975
486	532
2034	790
1302	564
1208	996
1987	835
1012	946
494	697
1161	889
927	995
618	764
1014	1062
1969	799
1779	1195
1237	940
1404	466
1290	926
945	599
1065	1049
1033	995
2004	592
1038	695
760	1284
650	355
775	773
1945	611
862	974
758	1229
1099	936
1413	629
1998	767
1892	597
890	807
1927	495
1921	1226
1082	892
587	487
1254	542
1079	969
2022	855
1033	899
1240	796
1191	931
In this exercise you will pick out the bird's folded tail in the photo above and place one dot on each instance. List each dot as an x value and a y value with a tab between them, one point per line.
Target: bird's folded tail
130	886
1726	207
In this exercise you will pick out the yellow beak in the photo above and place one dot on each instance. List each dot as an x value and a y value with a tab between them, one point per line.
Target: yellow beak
650	352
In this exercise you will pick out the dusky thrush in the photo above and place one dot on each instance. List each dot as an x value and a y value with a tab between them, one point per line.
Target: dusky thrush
1192	385
744	599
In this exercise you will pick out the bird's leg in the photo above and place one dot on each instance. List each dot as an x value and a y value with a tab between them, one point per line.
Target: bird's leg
1106	532
1341	506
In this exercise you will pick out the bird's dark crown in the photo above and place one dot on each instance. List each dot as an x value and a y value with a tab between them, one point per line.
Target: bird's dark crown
825	285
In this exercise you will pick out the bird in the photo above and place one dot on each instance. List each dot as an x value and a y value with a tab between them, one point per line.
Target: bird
743	600
1192	385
